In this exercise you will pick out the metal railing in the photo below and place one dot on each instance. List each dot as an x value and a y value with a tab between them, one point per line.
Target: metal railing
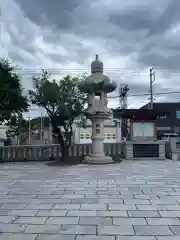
46	152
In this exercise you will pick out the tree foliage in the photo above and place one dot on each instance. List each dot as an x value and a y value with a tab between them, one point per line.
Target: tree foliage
12	101
63	102
18	125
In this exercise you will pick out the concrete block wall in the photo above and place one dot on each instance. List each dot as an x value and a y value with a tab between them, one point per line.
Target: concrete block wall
129	148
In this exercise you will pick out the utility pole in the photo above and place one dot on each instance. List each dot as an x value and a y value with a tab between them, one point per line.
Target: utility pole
29	135
152	79
123	91
41	128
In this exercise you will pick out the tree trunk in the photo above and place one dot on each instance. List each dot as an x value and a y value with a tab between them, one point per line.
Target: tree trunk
64	142
68	136
62	146
59	135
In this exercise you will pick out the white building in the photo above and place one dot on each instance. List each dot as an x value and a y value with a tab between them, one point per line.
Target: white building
3	130
112	132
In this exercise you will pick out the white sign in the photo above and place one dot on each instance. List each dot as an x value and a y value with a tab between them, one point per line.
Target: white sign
143	129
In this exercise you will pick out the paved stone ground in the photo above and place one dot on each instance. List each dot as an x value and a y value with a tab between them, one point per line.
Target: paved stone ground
137	200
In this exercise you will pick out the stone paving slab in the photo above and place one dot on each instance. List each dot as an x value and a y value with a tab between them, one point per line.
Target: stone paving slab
10	236
133	200
136	238
153	230
55	237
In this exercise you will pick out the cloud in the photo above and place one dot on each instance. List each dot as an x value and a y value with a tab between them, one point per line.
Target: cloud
130	37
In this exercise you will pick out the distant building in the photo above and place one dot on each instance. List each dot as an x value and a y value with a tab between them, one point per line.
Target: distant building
36	137
170	120
112	133
3	130
137	122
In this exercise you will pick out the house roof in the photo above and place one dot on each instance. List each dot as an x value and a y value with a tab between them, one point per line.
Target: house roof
137	114
162	105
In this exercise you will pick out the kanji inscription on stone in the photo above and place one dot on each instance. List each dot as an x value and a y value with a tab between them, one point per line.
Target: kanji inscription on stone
97	128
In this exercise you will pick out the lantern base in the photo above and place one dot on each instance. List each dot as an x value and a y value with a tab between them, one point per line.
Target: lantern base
92	159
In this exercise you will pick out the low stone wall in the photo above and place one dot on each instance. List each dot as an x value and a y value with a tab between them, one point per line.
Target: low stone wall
47	152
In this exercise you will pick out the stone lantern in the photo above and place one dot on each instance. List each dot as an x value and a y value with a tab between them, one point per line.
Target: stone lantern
97	85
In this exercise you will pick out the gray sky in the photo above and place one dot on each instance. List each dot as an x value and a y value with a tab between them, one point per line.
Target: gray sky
129	36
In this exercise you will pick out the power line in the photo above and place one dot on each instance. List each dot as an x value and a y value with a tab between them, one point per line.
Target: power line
73	69
82	71
84	68
122	76
88	69
146	94
134	95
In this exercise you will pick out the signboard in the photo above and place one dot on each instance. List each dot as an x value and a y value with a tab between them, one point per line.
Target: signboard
164	128
143	129
178	114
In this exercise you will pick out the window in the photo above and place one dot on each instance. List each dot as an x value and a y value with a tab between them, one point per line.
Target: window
141	129
87	136
176	129
178	114
97	97
108	136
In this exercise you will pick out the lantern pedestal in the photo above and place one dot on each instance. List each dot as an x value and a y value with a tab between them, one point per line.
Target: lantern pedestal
97	156
97	85
97	159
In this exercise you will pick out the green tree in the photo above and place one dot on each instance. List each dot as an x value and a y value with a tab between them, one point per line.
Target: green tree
12	101
63	102
19	127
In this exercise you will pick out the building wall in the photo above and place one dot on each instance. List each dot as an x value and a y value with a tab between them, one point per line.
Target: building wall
3	130
109	134
36	138
170	120
84	135
81	135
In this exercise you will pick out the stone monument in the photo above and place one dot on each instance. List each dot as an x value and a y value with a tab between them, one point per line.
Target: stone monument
97	85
